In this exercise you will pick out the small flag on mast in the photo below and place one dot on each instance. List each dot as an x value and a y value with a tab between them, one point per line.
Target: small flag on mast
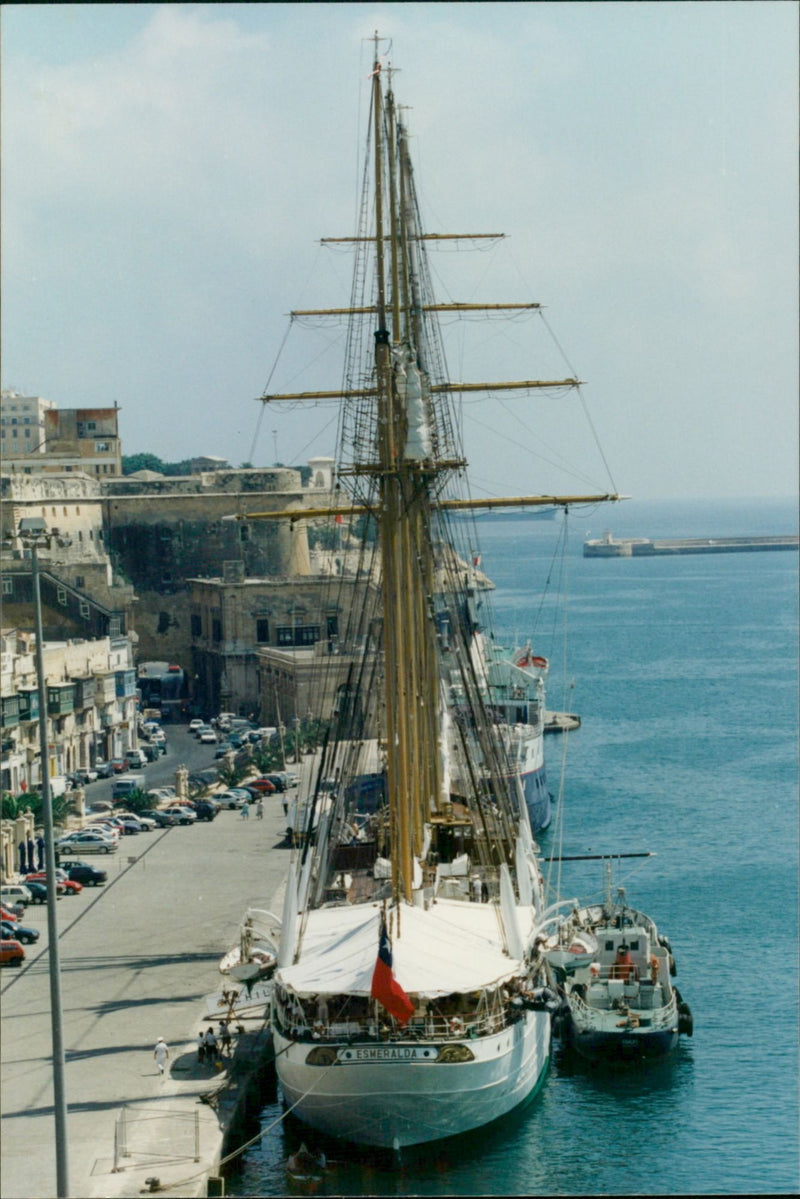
385	987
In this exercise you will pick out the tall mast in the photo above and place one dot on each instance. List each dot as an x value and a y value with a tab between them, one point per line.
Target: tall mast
412	723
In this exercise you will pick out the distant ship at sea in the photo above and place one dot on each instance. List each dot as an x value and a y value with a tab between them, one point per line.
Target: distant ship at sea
505	514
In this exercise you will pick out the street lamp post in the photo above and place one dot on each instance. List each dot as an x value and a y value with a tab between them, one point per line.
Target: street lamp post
33	533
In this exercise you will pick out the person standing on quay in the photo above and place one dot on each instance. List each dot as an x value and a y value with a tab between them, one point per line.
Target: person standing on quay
245	810
161	1054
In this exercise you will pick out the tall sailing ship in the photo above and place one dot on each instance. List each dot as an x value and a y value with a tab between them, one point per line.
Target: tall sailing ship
410	999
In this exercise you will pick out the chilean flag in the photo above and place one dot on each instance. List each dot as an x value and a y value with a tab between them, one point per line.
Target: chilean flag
385	988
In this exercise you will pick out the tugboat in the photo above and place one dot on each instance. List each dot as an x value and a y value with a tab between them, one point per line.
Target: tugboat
615	974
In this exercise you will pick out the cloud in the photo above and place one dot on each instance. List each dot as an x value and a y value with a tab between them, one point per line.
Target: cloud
163	189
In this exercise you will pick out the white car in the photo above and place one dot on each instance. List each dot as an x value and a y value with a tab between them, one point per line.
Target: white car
160	794
13	893
196	724
182	814
147	822
100	825
207	736
87	841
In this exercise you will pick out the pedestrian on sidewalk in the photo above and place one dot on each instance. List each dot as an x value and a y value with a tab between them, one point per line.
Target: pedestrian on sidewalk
245	810
161	1054
260	809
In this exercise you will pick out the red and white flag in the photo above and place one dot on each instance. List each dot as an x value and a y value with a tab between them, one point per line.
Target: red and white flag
385	987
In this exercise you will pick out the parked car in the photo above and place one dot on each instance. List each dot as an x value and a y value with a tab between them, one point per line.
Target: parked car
135	759
19	932
206	809
119	765
114	824
262	785
39	892
103	770
183	815
223	749
15	893
63	885
201	779
162	819
146	824
82	777
87	841
107	826
233	798
228	799
278	781
83	872
11	953
161	794
8	912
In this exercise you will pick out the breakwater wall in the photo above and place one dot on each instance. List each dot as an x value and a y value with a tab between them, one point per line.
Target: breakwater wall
644	547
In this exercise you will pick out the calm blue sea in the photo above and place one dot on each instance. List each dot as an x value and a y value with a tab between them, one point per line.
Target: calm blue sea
685	673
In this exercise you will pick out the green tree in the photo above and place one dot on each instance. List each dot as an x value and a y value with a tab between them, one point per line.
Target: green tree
145	461
14	805
138	801
232	773
268	758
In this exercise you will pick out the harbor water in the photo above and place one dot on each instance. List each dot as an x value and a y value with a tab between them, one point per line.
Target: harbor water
685	673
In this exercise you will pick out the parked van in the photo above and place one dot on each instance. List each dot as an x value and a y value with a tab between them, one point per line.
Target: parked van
123	785
12	893
135	759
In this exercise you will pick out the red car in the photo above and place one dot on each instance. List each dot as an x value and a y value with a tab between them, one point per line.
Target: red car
11	953
263	785
119	765
5	914
64	885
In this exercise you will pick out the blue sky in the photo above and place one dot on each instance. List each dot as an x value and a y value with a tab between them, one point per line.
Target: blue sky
168	171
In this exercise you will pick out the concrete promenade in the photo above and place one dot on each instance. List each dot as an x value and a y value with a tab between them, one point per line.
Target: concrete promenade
137	957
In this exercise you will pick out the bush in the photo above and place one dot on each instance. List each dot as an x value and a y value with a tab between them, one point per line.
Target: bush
138	801
232	773
14	805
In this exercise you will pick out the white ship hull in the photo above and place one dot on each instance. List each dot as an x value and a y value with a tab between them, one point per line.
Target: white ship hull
392	1094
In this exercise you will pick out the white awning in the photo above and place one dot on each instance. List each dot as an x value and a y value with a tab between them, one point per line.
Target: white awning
454	946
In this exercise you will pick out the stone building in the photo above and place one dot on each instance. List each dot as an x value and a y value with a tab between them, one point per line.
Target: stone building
81	596
37	437
22	428
91	706
251	634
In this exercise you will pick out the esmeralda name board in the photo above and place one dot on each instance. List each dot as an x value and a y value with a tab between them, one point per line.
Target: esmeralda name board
385	1053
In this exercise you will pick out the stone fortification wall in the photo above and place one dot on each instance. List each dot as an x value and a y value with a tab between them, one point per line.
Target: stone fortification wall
161	532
